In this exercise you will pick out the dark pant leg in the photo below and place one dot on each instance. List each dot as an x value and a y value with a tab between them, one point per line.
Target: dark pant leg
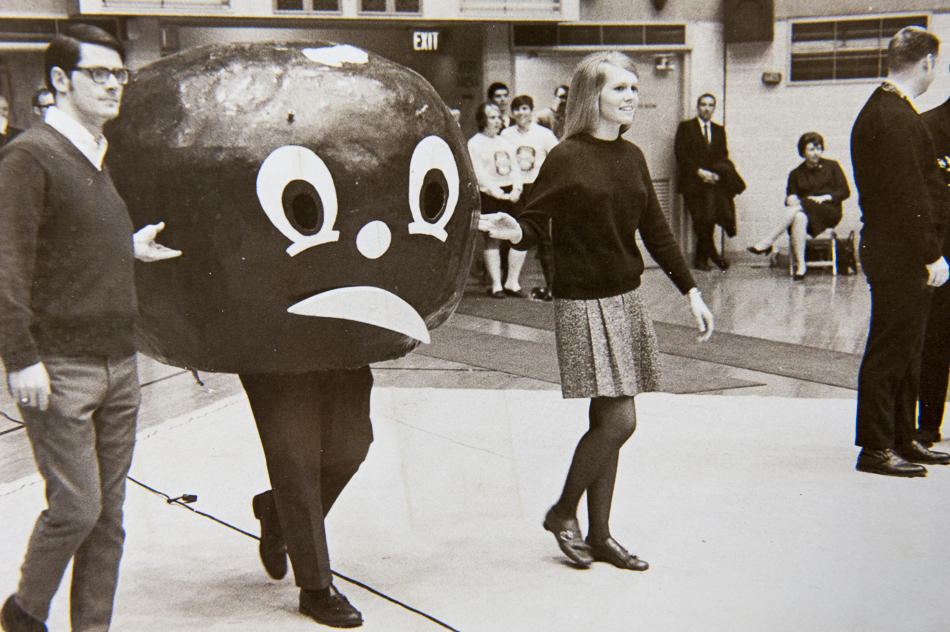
699	207
347	432
935	362
890	369
83	448
295	413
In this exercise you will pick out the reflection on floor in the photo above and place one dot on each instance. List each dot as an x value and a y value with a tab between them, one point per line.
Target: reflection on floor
740	491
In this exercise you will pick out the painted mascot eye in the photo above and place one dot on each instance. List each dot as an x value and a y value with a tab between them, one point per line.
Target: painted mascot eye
296	191
433	187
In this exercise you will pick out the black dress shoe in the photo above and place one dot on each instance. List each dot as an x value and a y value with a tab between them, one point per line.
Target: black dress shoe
888	463
928	438
611	552
702	264
722	262
13	618
272	548
756	251
568	535
329	607
916	453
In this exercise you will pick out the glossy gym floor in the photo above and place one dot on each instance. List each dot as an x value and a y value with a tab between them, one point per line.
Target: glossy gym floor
738	487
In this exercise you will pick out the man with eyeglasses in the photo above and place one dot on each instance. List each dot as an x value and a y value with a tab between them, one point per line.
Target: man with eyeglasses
67	310
7	131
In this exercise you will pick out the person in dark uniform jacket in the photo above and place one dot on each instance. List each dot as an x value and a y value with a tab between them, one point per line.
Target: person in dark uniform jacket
699	145
904	204
935	361
7	131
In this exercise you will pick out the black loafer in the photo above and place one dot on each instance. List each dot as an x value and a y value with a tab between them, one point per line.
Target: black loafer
888	463
498	294
756	251
515	293
722	263
272	548
329	607
916	453
13	618
611	552
568	535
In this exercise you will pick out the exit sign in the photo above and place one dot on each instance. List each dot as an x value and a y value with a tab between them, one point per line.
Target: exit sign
425	40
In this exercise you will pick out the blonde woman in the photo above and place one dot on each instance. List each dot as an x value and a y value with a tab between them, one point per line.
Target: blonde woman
596	190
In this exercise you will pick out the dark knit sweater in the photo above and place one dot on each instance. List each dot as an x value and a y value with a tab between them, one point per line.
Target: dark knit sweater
66	258
598	194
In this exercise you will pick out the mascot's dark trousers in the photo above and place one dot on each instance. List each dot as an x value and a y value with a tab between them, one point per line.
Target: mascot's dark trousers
315	430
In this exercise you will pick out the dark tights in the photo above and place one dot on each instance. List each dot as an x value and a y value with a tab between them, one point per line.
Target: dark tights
594	468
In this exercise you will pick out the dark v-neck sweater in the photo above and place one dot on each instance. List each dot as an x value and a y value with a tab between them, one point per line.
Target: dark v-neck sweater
66	259
598	194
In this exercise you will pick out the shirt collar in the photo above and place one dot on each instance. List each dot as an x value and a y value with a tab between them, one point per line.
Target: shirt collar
892	86
91	147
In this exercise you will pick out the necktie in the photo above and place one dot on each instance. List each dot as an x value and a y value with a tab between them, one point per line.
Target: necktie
706	132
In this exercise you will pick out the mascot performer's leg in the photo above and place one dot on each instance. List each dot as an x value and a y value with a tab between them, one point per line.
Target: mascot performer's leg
315	430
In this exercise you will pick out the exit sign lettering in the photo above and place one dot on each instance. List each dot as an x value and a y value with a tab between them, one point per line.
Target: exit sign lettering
425	40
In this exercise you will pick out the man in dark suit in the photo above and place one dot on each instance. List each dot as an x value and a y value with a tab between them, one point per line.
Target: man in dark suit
699	145
904	206
7	131
935	361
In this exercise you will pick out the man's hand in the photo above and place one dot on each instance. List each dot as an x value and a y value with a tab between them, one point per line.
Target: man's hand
30	386
501	226
708	176
143	243
937	272
820	198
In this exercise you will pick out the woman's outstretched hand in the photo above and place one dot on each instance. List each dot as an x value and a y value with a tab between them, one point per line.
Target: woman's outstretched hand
704	317
501	226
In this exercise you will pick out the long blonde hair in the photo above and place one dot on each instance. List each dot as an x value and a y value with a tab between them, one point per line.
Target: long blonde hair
583	101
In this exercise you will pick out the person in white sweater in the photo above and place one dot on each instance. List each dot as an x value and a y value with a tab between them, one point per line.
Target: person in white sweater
532	143
500	185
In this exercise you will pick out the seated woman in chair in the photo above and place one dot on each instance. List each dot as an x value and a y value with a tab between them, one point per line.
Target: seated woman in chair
815	191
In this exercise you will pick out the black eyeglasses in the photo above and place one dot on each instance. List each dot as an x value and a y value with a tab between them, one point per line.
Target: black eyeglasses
100	74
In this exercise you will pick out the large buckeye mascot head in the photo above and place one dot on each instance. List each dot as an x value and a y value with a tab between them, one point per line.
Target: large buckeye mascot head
322	196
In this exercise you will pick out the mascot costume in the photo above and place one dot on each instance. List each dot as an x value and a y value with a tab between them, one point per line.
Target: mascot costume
326	208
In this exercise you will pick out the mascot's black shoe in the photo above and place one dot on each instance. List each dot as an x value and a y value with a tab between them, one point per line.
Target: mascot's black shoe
329	607
13	618
272	548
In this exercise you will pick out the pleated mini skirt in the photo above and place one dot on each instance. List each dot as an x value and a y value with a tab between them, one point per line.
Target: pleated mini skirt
606	347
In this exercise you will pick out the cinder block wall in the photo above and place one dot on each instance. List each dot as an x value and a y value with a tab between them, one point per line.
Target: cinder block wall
764	123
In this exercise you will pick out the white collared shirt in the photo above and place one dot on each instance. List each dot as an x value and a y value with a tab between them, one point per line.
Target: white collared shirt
703	129
92	148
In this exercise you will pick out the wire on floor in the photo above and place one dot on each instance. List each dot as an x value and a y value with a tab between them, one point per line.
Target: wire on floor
185	499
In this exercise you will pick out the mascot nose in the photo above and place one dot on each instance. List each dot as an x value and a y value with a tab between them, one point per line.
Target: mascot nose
373	239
